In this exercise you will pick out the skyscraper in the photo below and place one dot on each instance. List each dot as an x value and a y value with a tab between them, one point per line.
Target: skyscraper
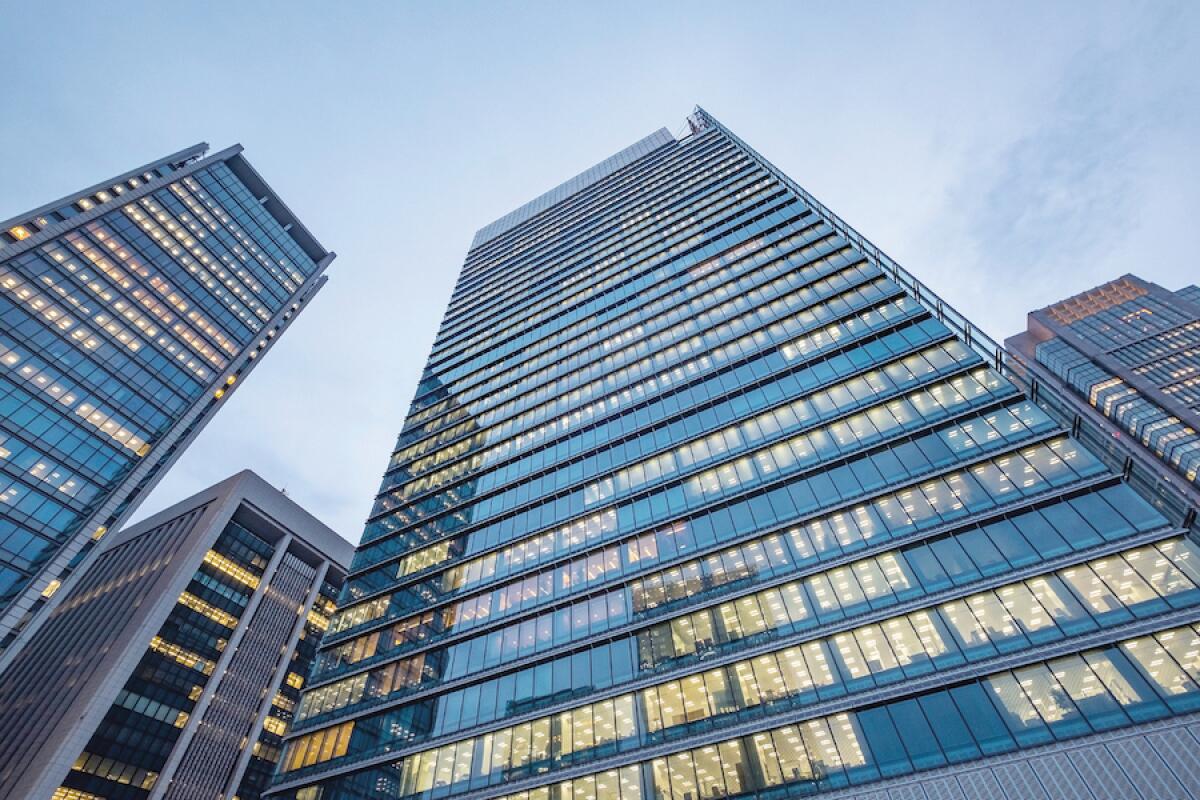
1129	353
172	668
127	312
701	496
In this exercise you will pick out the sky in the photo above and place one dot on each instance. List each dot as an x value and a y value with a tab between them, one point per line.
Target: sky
1008	154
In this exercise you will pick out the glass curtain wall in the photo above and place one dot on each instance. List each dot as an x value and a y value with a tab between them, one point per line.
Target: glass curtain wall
700	498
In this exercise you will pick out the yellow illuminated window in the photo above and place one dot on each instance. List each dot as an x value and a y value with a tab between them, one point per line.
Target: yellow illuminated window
64	793
231	568
212	612
318	746
318	620
19	232
111	770
275	725
51	588
181	655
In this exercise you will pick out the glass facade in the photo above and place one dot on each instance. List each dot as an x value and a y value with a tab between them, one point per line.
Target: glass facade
701	496
127	312
1130	350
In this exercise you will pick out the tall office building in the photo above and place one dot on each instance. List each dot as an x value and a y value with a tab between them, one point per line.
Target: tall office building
703	496
173	668
127	311
1128	352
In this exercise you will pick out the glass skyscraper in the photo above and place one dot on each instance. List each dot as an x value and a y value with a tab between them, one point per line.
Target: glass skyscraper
127	312
1130	351
702	496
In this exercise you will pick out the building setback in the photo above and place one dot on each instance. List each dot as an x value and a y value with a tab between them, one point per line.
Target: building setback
127	312
1128	353
176	660
703	496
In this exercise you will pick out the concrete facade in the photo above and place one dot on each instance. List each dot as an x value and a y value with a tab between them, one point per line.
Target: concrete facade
94	639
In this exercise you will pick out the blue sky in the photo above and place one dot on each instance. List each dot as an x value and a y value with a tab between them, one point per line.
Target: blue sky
1008	154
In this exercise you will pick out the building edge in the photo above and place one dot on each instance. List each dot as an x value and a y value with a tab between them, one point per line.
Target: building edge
26	611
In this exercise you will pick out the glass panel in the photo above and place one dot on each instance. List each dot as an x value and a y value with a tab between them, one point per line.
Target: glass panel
1093	592
890	756
1088	693
880	659
981	717
1017	711
661	778
683	776
851	744
709	775
1034	620
972	638
734	766
916	734
768	761
948	726
818	742
1172	681
1051	701
1127	584
1068	613
1126	684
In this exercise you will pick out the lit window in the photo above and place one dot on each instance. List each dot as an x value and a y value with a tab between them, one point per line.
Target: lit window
212	612
275	725
231	568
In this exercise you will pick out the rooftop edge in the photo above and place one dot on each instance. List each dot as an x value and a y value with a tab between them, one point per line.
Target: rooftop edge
573	186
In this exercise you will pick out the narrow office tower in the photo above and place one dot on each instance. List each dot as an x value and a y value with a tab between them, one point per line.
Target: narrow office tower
703	496
1128	353
172	669
127	311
